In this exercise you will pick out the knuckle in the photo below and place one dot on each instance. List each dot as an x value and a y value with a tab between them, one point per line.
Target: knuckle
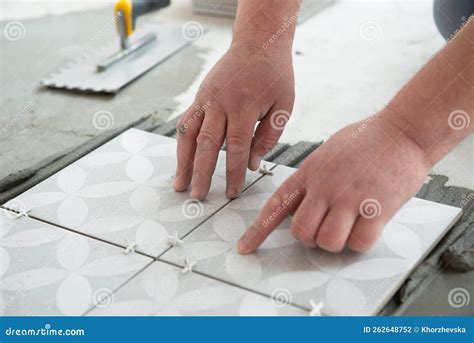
191	120
207	141
275	200
180	127
236	144
267	143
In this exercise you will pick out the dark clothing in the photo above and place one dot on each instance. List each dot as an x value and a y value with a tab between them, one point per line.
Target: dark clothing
450	15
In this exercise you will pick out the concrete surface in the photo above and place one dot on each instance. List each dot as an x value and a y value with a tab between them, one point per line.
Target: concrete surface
37	122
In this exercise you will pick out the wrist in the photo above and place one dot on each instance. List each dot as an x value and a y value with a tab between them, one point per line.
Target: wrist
406	135
267	24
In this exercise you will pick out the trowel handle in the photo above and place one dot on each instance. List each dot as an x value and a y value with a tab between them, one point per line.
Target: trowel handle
132	9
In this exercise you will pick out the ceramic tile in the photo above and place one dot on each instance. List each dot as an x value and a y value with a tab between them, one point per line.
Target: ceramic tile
46	270
122	193
346	283
162	290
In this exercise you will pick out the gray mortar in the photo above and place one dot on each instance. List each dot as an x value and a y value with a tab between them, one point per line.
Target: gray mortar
37	123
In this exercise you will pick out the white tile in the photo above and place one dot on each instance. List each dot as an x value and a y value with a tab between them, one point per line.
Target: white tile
347	283
46	270
162	290
122	192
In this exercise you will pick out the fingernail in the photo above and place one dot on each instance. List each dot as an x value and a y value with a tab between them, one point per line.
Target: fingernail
195	194
178	184
232	192
242	246
255	162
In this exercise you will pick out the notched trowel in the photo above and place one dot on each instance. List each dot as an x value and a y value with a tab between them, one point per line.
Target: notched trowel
114	66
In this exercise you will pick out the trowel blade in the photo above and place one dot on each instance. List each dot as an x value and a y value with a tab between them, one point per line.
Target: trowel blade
82	74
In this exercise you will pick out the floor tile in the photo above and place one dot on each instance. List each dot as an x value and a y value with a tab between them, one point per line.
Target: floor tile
163	290
346	283
46	270
122	193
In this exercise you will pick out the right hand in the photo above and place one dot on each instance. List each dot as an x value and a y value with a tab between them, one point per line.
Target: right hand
247	85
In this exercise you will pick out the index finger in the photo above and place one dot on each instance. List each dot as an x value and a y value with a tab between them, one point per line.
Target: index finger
284	201
187	130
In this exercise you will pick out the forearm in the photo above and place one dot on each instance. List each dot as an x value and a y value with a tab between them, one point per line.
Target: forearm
436	108
267	23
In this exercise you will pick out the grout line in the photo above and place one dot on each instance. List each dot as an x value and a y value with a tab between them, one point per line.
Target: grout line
33	217
123	284
213	214
232	284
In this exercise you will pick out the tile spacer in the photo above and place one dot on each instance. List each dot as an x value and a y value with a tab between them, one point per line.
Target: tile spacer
315	308
174	240
265	171
130	246
23	213
188	266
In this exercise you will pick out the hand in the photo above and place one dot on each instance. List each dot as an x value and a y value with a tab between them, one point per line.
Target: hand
348	189
247	85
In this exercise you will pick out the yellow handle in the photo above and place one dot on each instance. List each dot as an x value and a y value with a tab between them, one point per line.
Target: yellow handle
124	8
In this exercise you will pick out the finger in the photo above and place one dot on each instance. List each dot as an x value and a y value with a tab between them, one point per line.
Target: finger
268	132
336	227
364	233
187	130
238	139
306	221
209	142
284	201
